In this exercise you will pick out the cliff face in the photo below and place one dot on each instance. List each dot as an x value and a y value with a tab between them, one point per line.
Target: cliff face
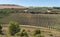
2	6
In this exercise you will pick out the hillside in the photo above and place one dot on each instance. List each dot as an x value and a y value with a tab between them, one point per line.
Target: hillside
44	10
2	6
37	16
47	19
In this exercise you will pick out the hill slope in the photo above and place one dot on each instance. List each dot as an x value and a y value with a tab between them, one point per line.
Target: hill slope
2	6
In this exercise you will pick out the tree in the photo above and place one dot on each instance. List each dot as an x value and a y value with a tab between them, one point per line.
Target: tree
14	28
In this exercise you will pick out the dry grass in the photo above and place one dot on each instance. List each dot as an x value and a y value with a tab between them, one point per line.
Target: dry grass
2	6
45	31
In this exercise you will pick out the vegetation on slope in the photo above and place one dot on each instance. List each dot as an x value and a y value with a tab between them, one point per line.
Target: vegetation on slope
29	31
26	18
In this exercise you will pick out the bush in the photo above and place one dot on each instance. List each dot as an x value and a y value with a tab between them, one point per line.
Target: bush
39	35
37	31
22	33
14	28
0	29
18	34
50	34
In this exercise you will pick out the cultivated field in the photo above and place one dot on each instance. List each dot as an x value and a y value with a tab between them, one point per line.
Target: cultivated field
44	20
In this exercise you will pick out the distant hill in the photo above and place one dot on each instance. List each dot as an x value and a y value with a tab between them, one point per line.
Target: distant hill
2	6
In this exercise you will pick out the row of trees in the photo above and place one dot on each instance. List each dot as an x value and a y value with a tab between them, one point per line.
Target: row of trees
14	29
12	10
6	12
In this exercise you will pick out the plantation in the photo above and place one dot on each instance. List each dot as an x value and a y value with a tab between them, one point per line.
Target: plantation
35	19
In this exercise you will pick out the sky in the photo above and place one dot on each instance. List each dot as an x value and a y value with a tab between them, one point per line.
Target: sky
40	3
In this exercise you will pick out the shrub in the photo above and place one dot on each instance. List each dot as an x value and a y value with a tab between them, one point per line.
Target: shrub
37	31
23	33
14	28
0	29
50	34
18	34
39	35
